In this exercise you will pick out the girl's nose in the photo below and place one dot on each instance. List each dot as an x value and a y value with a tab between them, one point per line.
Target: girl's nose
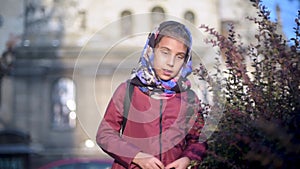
171	60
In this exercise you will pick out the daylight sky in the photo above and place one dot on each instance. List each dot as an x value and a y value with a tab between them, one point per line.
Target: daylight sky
289	11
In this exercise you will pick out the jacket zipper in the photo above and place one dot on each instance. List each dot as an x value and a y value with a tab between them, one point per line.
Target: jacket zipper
160	129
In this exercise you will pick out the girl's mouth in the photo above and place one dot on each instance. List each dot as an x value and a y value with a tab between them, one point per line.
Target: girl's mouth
167	72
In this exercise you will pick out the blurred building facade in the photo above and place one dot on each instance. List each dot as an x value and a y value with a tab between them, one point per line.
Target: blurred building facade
70	55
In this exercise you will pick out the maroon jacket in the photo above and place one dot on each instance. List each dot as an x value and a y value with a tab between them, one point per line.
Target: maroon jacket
156	126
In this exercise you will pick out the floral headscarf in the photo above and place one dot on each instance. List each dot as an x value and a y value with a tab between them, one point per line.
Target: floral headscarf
144	75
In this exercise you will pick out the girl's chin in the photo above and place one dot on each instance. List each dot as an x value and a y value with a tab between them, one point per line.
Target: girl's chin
165	78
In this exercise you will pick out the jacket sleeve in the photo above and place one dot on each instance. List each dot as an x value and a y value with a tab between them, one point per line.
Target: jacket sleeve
195	148
108	134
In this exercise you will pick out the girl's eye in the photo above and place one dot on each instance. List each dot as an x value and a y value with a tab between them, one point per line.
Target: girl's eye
165	52
180	56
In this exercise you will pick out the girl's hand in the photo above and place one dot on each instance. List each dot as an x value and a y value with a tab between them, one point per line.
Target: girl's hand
147	161
181	163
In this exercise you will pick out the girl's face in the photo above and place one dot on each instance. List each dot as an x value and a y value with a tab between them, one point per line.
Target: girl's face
169	56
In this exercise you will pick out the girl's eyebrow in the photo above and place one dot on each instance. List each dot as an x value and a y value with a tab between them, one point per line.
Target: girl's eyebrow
166	48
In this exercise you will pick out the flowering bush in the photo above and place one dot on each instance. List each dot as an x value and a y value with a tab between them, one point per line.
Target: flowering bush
260	125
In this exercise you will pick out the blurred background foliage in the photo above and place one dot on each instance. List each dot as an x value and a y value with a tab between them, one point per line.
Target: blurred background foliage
260	124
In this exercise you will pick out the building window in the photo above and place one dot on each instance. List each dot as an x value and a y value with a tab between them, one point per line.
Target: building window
63	104
190	16
83	19
1	21
226	25
126	23
157	16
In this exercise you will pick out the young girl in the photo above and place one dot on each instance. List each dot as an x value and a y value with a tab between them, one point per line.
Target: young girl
160	132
